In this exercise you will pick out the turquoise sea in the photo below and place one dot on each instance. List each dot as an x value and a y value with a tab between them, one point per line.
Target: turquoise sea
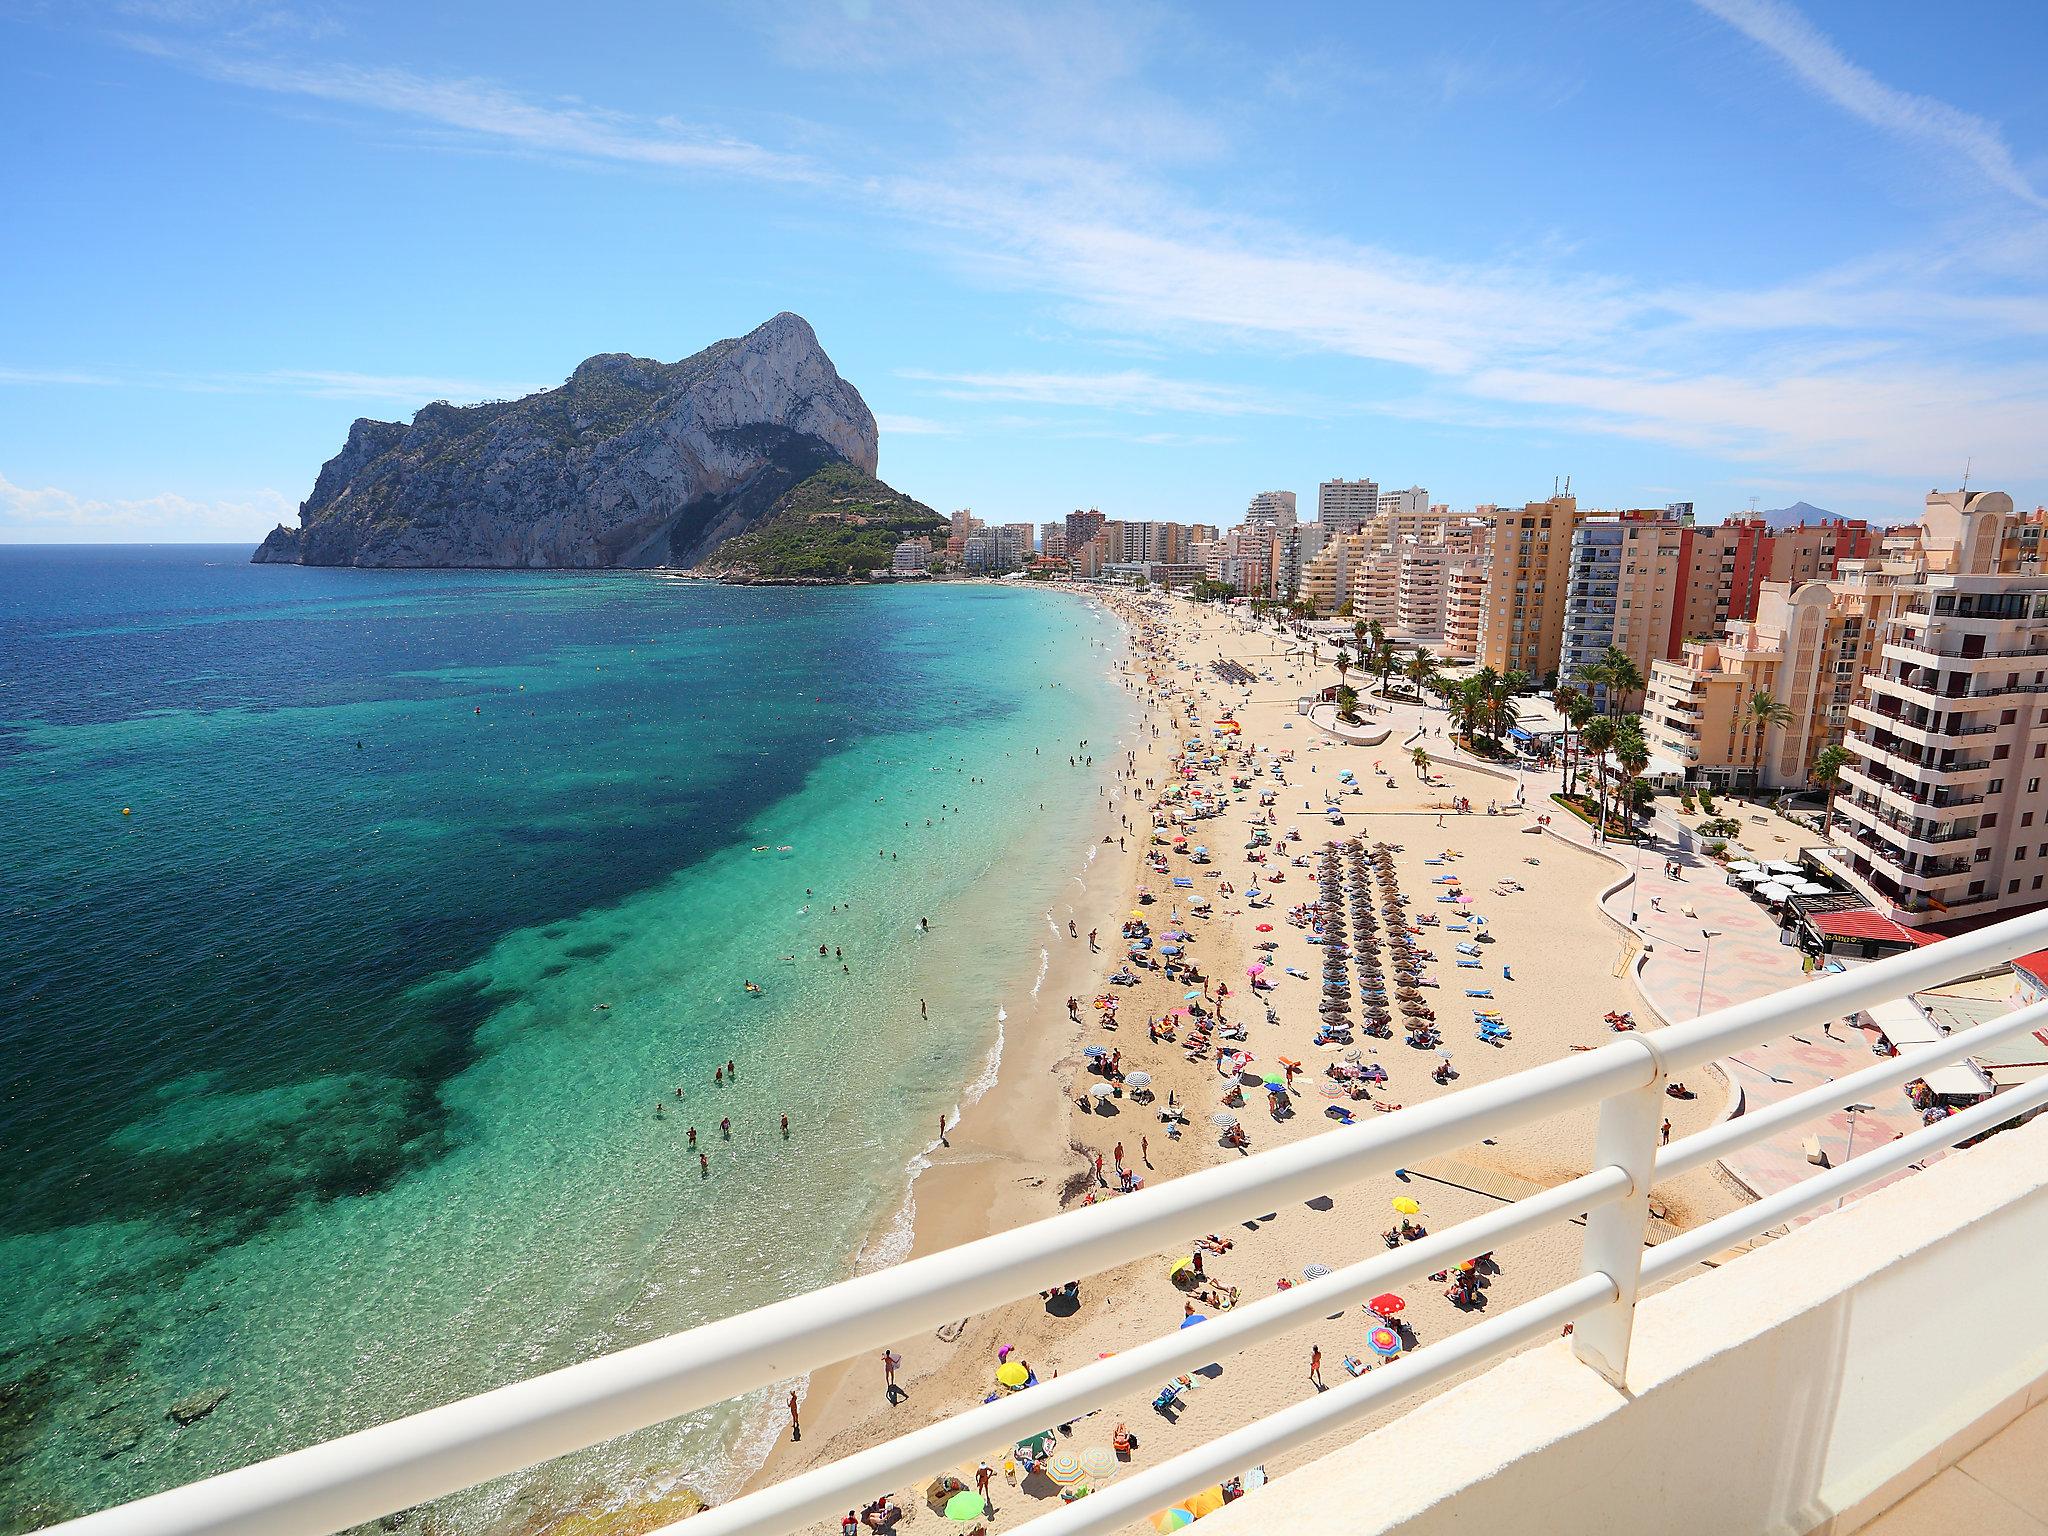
331	1066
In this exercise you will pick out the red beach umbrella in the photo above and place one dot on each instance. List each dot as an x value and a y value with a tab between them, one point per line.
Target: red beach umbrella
1387	1305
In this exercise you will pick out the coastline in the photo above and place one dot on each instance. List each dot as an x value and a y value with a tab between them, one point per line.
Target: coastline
1017	1155
997	1167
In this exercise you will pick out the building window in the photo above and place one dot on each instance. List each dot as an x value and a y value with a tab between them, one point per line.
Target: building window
2007	716
1994	787
2000	754
2012	887
1988	822
1983	855
2026	820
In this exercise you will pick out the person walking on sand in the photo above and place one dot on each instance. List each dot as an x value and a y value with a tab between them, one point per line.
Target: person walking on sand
890	1360
1315	1374
796	1428
983	1476
1664	1134
1145	1150
1119	1157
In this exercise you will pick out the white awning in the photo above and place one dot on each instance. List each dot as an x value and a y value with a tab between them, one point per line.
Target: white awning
1903	1022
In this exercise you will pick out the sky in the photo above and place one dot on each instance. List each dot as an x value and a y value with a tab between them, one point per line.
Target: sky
1144	258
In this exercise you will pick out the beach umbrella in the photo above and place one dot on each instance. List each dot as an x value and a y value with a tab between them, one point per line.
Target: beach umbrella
1193	1318
966	1505
1138	1079
1783	867
1314	1271
1012	1374
1101	1091
1207	1502
1406	1206
1100	1463
1038	1446
1387	1305
1265	928
1172	1519
1094	1050
1064	1468
1384	1341
1226	1120
1186	1259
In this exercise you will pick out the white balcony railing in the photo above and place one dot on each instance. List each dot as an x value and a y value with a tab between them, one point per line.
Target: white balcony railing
392	1466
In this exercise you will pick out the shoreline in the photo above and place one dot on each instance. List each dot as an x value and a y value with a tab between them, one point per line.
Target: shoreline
996	1167
1017	1155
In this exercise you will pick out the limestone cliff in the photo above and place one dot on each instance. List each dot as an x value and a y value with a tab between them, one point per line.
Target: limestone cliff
629	463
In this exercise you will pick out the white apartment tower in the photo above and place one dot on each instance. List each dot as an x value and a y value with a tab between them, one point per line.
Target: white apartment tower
1271	512
1345	506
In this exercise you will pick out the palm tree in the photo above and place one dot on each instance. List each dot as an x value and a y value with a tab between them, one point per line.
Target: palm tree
1501	702
1619	674
1828	764
1567	698
1421	671
1484	682
1421	757
1466	701
1764	711
1632	756
1343	665
1595	738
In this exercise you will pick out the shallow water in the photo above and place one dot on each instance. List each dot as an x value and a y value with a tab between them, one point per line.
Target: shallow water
331	1070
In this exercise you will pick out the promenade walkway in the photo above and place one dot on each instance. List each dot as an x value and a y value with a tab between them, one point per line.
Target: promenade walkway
1707	945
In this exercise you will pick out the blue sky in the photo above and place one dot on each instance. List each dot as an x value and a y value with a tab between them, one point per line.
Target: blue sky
1142	258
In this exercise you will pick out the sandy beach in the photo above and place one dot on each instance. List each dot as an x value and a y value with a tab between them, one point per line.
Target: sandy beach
1554	965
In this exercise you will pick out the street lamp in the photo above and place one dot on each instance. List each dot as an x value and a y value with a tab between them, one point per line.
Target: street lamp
1849	1142
1707	937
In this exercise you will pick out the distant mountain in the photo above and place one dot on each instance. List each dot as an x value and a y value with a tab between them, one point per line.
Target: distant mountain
840	523
629	463
1798	512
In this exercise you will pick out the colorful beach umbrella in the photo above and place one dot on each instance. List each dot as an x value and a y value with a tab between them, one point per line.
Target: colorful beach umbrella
1064	1468
1172	1519
966	1505
1384	1341
1406	1206
1011	1374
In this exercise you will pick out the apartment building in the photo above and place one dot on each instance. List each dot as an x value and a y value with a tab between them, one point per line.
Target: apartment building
1326	581
912	557
1271	512
1147	542
1646	582
1345	506
1464	607
1081	527
1298	546
1528	572
1052	541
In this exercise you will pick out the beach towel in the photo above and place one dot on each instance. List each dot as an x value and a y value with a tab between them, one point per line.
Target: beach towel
1479	991
1470	965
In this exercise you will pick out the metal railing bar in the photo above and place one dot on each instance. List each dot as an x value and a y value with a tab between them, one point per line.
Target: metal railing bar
1717	1141
407	1461
1741	1025
1134	1495
824	1491
391	1466
1808	1194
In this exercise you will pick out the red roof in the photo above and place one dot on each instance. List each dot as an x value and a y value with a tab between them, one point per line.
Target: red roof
2035	965
1868	923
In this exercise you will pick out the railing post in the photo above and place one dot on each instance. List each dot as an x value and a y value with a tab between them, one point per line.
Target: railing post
1628	1138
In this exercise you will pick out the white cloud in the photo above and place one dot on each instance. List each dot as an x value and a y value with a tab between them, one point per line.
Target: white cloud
50	515
1813	57
1129	390
913	426
484	108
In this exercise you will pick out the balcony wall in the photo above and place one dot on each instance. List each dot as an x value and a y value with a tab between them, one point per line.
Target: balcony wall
1804	1387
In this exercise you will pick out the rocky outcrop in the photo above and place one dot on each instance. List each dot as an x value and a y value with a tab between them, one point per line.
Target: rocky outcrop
629	463
191	1409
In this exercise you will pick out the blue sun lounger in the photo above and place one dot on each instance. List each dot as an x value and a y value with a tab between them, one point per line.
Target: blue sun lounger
1479	991
1471	965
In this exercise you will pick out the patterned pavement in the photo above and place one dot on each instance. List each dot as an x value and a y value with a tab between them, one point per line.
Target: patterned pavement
1689	973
